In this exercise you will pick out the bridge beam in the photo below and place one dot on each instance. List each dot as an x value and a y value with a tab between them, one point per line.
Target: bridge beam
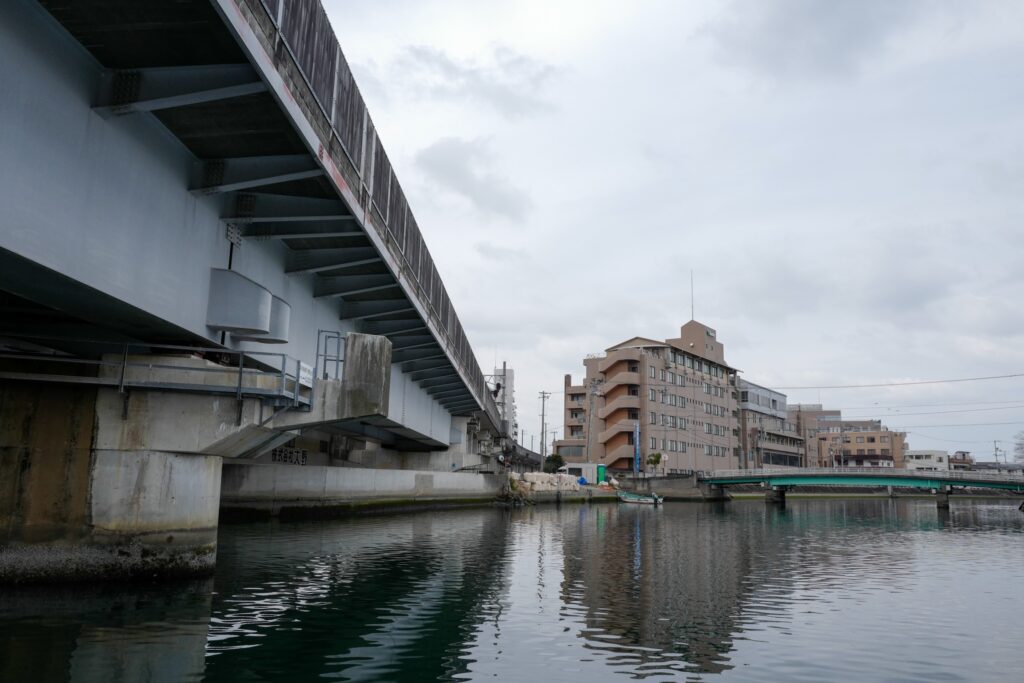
319	260
127	91
233	175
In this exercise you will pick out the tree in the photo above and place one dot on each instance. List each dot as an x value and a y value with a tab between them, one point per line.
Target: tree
553	463
1018	447
654	459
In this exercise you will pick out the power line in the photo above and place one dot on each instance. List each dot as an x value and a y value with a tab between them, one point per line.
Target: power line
928	405
939	438
946	412
965	424
905	384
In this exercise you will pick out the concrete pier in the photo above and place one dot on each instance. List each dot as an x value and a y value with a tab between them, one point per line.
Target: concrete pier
775	495
72	510
942	498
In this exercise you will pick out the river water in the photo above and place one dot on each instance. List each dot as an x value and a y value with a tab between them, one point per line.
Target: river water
823	590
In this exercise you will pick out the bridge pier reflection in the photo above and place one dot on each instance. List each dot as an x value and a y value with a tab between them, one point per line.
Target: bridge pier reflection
776	495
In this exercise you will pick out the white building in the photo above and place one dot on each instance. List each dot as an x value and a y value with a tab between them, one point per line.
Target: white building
506	398
930	461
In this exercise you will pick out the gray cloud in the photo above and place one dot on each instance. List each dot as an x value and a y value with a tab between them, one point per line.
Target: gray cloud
463	167
807	39
507	81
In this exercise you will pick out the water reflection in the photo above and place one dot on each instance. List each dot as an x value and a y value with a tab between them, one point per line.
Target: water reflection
135	632
679	590
819	590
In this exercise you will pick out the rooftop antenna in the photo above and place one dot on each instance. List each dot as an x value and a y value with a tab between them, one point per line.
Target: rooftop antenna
691	294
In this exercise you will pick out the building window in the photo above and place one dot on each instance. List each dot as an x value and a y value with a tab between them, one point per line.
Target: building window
633	414
633	390
860	439
654	418
650	395
663	375
654	442
885	451
884	439
671	378
653	371
634	367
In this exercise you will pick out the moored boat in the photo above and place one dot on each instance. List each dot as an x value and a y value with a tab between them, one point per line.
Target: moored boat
640	499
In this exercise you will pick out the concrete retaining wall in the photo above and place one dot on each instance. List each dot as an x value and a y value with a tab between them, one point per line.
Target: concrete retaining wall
672	488
268	490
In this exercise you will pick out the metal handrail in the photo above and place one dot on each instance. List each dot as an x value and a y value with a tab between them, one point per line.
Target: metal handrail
958	475
277	362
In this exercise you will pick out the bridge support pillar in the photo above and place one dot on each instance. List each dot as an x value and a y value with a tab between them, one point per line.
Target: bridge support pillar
942	498
775	495
713	492
70	510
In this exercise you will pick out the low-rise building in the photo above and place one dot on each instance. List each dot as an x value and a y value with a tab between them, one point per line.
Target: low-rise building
924	460
961	460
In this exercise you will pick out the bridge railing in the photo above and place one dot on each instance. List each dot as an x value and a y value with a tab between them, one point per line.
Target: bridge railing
304	32
266	375
946	475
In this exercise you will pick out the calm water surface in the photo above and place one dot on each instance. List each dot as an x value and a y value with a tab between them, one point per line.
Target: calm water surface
825	590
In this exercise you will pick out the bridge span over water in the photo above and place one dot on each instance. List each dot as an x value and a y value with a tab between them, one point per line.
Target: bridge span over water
778	481
205	257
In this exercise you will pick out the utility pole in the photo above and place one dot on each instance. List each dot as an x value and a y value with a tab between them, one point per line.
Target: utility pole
544	395
995	451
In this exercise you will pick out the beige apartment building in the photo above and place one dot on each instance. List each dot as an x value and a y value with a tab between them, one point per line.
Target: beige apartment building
678	392
832	441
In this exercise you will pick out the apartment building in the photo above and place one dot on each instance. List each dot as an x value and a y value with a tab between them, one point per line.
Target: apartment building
861	443
810	421
677	394
767	437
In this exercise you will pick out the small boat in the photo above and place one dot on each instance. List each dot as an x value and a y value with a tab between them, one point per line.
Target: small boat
640	499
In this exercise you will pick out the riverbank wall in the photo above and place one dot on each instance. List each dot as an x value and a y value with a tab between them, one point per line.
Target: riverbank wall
674	488
265	491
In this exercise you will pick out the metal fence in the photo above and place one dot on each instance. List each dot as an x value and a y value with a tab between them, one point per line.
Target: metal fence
306	32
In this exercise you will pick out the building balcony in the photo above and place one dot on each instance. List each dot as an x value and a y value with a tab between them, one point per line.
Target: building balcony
623	355
624	451
617	404
617	428
622	377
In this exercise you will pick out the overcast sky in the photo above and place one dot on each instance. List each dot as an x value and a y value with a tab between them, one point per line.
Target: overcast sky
845	180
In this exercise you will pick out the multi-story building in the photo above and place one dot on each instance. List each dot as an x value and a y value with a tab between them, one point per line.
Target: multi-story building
810	421
928	461
862	443
505	380
767	437
678	395
832	441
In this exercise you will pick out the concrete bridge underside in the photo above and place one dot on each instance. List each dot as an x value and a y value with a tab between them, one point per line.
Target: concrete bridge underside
190	190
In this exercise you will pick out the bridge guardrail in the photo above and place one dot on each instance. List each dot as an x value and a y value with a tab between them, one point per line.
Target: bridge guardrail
305	33
269	375
951	475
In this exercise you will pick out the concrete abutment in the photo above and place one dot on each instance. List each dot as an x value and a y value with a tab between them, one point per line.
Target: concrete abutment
71	511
